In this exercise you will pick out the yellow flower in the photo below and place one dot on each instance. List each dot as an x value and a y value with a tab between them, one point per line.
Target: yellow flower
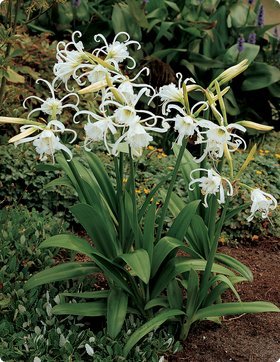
151	148
146	191
259	172
277	155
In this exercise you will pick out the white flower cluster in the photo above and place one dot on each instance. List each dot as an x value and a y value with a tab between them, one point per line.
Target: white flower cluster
118	119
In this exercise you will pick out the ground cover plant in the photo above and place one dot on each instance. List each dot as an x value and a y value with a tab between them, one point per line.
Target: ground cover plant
131	244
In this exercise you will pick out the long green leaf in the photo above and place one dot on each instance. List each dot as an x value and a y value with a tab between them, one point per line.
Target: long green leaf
99	294
68	241
157	302
182	221
174	295
139	262
61	272
116	311
61	181
102	178
91	309
163	248
235	265
198	236
149	230
100	230
192	293
234	308
183	264
149	326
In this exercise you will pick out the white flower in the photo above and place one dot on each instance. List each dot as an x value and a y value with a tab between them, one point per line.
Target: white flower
69	61
46	142
219	137
172	93
211	185
36	359
89	350
52	106
263	202
117	51
97	131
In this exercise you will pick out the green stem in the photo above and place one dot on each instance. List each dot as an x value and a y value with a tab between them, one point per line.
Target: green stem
133	197
119	181
170	189
212	254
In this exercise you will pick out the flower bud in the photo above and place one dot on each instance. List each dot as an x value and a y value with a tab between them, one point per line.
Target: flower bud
256	126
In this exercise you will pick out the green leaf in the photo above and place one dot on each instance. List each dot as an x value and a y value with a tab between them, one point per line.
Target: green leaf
100	294
102	178
204	62
182	222
116	311
99	229
234	308
149	230
192	297
157	302
165	52
68	241
139	262
61	181
184	264
91	309
233	56
137	12
235	265
174	295
149	326
260	75
163	248
14	77
61	272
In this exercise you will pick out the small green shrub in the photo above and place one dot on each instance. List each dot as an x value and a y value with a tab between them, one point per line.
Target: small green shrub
22	183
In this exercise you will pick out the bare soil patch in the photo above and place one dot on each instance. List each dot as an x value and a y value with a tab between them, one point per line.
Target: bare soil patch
250	337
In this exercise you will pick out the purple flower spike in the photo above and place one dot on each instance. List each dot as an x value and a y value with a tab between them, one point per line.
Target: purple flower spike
250	2
240	43
252	38
260	20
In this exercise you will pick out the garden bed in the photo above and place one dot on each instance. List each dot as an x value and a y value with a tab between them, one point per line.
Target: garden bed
250	337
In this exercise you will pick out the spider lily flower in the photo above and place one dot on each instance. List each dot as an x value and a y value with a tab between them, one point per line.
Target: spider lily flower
186	125
69	61
136	137
46	142
172	93
211	184
219	137
52	106
261	201
97	130
115	52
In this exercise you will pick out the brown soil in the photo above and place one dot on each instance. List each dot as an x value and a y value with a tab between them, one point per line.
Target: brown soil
250	337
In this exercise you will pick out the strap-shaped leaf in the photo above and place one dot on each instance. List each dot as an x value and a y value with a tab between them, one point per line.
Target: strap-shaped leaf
234	308
116	311
99	229
61	272
182	222
91	309
192	297
219	289
157	302
104	182
61	181
149	230
174	294
149	326
163	248
198	236
99	294
68	241
139	262
179	266
235	265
